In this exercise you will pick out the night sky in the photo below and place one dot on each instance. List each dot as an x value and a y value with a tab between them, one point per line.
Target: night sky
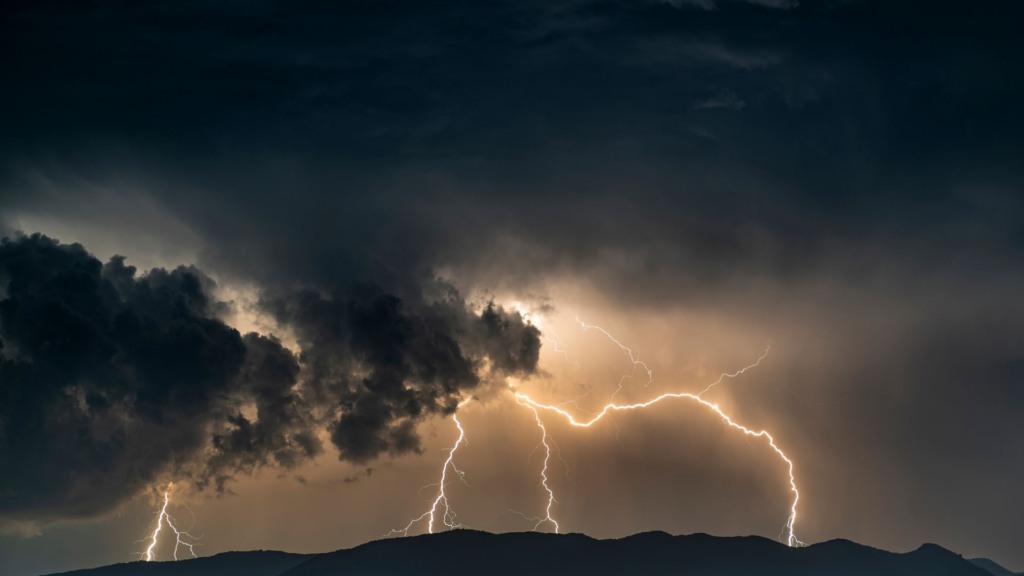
263	250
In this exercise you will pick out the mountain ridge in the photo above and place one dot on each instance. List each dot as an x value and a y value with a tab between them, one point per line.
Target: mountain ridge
471	552
993	567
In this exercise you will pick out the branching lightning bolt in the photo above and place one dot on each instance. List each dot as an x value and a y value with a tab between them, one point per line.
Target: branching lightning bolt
791	538
731	375
789	530
556	343
182	538
441	500
440	508
637	363
544	470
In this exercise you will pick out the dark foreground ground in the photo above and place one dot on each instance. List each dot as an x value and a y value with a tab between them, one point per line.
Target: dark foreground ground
466	552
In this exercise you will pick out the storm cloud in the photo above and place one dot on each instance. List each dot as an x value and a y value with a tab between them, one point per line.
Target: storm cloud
406	360
112	381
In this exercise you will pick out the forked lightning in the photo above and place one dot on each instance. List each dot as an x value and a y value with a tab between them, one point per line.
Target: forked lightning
182	539
441	500
789	530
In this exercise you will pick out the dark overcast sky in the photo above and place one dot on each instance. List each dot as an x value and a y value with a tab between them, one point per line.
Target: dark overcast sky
353	180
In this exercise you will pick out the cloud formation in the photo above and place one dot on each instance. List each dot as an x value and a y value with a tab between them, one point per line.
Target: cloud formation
111	381
403	360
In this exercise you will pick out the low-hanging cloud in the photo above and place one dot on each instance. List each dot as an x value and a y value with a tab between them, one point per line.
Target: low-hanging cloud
111	380
405	360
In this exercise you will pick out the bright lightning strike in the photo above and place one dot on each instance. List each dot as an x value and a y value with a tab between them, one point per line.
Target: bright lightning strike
790	526
441	500
182	538
544	470
524	400
440	508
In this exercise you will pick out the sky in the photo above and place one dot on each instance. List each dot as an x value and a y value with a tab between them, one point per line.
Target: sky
266	251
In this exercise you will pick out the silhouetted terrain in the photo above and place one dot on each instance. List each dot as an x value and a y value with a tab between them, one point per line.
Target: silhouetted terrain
467	552
992	567
255	563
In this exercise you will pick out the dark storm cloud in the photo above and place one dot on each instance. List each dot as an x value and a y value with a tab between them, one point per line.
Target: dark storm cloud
283	432
402	360
110	381
770	136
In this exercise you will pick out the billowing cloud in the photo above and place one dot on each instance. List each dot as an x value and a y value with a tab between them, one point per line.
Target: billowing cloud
380	364
111	380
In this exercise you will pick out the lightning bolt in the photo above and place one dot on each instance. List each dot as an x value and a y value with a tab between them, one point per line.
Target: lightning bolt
556	343
441	500
544	470
440	510
789	529
182	538
791	538
637	363
731	375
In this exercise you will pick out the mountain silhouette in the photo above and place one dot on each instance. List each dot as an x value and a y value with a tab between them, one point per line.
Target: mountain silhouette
254	563
992	567
468	552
